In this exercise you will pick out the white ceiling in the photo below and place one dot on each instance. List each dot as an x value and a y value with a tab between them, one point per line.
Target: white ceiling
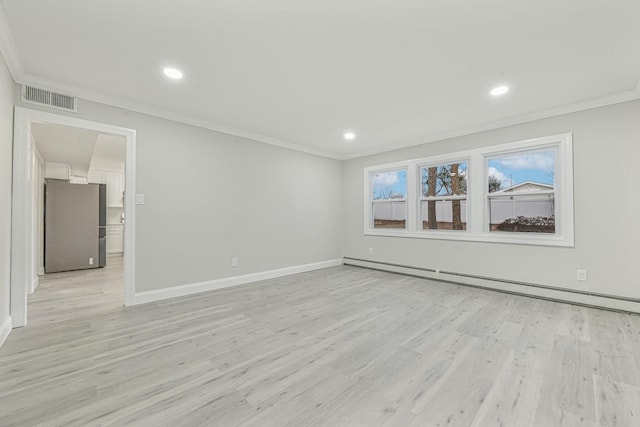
65	144
109	152
301	73
82	149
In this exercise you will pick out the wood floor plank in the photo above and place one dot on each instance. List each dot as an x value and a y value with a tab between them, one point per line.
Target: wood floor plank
343	346
617	403
567	388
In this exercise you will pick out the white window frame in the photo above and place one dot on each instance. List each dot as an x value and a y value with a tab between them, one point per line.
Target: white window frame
477	194
369	197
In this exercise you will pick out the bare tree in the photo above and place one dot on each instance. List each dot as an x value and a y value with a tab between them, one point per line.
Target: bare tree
455	204
494	184
386	193
431	204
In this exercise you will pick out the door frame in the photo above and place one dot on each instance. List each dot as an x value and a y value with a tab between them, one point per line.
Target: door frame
22	203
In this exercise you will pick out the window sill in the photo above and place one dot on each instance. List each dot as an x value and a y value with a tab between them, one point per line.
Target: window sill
494	237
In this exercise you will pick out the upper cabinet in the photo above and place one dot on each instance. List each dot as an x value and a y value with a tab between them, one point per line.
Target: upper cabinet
78	179
115	185
57	170
96	177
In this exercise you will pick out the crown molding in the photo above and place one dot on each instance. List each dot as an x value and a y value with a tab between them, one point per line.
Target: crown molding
8	48
617	98
138	107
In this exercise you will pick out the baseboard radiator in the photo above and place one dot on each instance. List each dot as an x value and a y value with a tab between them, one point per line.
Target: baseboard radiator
553	293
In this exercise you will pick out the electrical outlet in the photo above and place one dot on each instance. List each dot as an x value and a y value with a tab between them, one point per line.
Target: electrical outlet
234	262
370	251
581	275
90	261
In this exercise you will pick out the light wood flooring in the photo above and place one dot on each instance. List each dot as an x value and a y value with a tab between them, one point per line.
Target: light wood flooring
343	346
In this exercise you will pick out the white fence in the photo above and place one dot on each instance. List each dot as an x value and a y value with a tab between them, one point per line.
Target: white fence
444	211
501	208
529	205
392	210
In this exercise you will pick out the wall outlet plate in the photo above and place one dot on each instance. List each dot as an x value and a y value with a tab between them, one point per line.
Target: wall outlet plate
234	262
370	251
581	275
90	261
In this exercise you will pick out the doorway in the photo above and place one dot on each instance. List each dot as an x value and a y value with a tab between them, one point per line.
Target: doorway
27	231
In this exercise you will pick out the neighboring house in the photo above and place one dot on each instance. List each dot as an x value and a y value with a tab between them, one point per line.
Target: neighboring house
526	187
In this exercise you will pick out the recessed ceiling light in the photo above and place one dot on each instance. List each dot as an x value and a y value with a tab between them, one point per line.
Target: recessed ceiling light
172	73
500	90
349	136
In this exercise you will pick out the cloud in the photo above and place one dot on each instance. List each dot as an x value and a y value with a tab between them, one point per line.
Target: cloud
542	161
385	179
502	178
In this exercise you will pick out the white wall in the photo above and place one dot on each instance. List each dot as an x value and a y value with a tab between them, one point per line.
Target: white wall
606	160
7	89
210	197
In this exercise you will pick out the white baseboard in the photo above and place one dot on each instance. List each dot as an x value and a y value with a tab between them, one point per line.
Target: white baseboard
570	296
5	330
210	285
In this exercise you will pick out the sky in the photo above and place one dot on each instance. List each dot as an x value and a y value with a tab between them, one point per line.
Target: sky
393	180
515	169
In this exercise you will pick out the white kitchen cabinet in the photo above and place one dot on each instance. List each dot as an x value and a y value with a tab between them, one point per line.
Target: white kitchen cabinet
115	239
57	170
115	185
115	189
96	177
78	180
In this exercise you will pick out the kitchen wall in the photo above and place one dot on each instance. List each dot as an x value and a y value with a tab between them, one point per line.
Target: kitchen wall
606	144
7	90
211	196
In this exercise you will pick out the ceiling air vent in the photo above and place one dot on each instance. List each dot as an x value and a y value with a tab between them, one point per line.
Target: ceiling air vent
35	95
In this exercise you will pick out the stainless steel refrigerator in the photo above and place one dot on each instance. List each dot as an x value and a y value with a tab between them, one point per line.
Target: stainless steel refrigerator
74	226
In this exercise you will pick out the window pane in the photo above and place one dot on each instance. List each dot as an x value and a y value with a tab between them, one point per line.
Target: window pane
389	185
523	172
523	213
389	193
449	179
522	192
444	180
449	215
390	214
